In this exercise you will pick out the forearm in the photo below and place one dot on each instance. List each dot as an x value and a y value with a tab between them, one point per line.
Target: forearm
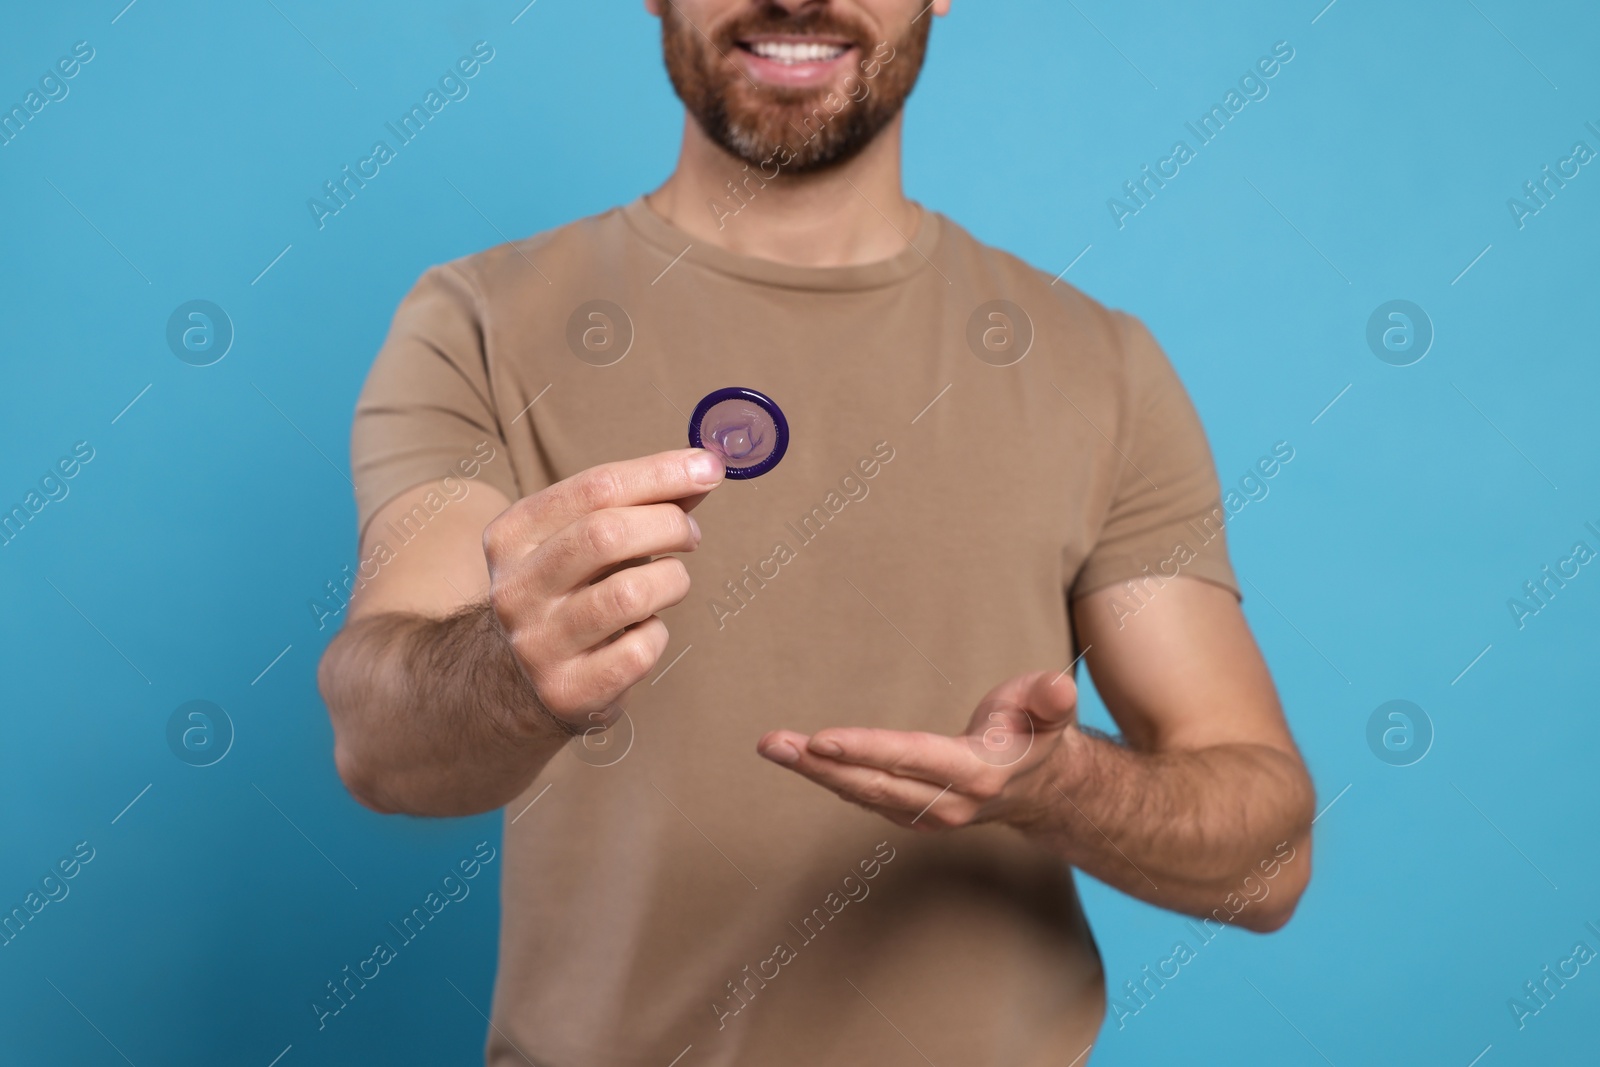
1183	830
434	716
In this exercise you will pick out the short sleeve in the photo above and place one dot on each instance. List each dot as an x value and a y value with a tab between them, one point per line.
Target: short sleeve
426	410
1166	516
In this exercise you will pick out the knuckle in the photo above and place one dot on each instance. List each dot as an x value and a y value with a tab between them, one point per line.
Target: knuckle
559	700
628	595
494	538
901	762
611	680
503	533
604	533
872	792
638	659
600	487
516	609
625	668
561	691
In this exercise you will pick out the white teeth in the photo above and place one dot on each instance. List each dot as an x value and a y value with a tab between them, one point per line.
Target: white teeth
786	52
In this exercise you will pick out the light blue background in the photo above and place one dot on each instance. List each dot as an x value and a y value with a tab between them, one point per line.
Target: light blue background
216	506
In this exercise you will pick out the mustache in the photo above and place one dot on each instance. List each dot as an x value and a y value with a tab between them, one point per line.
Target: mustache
809	23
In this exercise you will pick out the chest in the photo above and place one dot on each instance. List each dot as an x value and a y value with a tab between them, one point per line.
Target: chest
927	516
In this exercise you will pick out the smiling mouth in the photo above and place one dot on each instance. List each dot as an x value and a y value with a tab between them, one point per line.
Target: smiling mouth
796	51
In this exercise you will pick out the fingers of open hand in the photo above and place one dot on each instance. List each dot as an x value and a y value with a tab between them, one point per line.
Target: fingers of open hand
905	799
931	757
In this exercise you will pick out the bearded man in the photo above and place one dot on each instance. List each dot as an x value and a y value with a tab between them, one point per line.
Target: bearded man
798	778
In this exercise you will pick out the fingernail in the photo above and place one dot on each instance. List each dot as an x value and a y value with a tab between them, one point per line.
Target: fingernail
694	528
782	752
826	748
705	468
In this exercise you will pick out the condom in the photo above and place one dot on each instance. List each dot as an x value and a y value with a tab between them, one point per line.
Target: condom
745	428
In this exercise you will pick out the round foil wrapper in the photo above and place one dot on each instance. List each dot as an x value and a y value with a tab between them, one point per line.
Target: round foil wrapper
744	427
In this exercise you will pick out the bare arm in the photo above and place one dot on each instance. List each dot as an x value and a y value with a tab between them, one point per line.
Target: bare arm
499	631
407	723
1208	793
1206	806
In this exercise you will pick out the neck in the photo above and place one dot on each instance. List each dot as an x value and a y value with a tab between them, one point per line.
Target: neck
849	214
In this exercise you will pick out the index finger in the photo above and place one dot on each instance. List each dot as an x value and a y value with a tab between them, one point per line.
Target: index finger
682	475
931	757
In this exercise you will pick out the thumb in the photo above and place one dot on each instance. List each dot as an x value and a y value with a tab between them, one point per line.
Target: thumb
1052	698
1045	700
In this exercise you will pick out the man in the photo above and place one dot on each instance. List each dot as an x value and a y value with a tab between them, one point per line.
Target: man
797	779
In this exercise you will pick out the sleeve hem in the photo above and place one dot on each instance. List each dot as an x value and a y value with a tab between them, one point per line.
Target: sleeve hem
1105	581
1158	556
503	480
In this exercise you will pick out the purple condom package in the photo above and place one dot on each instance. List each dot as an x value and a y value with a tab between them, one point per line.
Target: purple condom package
742	426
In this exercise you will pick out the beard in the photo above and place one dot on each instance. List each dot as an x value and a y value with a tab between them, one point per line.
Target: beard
755	122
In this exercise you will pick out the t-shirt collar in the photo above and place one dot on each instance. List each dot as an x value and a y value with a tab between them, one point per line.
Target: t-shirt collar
669	239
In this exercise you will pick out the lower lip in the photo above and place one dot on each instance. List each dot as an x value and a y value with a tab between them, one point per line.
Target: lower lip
795	75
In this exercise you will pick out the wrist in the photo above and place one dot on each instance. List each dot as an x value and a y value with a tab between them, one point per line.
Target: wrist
1075	760
512	708
524	719
1055	781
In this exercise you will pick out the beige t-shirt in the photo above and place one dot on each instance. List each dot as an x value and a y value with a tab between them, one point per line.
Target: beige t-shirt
918	544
